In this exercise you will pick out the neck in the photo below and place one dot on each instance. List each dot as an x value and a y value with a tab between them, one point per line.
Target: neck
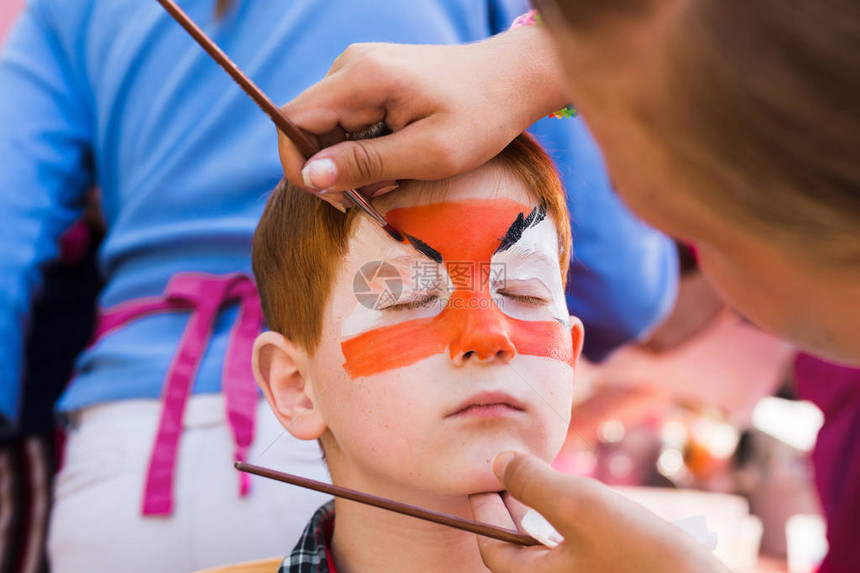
367	538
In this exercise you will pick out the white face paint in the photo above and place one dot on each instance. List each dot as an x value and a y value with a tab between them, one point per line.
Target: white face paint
419	289
528	271
409	382
411	286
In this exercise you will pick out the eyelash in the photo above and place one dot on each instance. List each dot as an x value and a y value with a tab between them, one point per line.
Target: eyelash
422	302
429	299
537	301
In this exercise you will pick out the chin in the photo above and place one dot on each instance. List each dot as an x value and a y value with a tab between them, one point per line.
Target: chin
473	473
483	483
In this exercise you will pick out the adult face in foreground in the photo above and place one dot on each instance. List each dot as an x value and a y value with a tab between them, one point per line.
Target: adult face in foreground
721	128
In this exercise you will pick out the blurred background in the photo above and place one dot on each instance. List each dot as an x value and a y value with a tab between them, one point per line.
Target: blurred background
8	9
704	418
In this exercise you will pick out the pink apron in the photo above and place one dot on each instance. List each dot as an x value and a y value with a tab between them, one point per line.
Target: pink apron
203	295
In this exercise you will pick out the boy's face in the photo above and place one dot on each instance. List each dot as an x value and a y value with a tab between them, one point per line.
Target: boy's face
430	364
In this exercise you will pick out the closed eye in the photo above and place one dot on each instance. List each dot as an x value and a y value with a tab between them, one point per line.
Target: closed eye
525	298
422	302
529	291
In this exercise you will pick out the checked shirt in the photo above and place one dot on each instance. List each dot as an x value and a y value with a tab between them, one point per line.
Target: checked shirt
310	555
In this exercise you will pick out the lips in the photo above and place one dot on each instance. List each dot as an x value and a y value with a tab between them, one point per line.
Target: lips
487	404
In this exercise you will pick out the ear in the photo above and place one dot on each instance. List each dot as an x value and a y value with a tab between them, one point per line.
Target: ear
577	334
281	371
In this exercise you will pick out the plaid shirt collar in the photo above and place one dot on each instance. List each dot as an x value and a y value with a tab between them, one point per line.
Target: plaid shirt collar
310	555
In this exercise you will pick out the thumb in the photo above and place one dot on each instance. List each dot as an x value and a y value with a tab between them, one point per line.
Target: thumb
558	497
347	165
498	556
406	154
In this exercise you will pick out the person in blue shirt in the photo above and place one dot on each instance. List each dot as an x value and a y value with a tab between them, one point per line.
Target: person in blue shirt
115	94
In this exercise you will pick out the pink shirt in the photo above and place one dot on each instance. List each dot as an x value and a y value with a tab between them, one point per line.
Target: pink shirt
836	390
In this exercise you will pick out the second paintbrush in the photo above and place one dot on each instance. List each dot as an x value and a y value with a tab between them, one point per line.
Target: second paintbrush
485	529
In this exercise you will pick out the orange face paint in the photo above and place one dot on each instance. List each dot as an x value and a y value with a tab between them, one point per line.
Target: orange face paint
466	234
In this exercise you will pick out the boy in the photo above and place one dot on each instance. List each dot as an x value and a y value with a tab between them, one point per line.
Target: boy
414	364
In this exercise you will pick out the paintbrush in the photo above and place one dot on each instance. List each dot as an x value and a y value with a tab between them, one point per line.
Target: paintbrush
485	529
307	144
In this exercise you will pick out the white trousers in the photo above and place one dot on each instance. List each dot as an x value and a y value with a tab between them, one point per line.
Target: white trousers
97	526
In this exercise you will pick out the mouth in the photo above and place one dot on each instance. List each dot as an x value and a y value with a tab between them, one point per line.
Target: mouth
487	405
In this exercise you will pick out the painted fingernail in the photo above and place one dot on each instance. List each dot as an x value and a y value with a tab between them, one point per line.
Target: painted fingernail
538	527
319	173
500	463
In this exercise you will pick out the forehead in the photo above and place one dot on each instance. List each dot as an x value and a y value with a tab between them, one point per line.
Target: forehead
487	182
478	206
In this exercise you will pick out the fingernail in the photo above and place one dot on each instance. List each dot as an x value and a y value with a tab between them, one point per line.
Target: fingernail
319	173
500	463
538	527
378	188
339	207
385	190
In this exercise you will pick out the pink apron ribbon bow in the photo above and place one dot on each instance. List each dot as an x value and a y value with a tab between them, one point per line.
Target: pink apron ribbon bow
203	295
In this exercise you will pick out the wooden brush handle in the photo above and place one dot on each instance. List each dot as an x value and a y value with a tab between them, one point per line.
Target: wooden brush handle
454	521
307	143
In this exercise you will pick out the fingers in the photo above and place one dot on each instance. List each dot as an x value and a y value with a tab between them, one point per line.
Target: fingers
490	508
516	509
414	152
291	160
498	556
345	97
293	163
558	497
327	109
531	522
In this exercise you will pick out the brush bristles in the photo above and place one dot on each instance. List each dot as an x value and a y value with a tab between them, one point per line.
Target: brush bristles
393	233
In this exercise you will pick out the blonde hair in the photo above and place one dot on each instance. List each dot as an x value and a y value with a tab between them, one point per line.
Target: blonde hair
761	107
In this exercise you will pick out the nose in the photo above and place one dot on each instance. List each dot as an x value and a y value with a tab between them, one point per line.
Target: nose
480	334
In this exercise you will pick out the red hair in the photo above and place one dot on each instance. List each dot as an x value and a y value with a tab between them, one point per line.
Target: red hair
301	242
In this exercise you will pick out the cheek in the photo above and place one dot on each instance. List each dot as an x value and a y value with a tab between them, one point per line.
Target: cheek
548	339
552	383
722	272
741	285
365	413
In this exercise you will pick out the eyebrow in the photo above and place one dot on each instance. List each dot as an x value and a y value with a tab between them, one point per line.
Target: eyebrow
424	248
519	226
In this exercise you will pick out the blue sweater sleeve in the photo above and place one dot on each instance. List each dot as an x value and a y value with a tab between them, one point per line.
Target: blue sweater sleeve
44	174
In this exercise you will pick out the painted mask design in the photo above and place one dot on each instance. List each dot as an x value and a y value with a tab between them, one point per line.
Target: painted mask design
489	287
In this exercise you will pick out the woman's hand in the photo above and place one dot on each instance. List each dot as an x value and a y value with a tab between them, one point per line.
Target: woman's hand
451	108
602	530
